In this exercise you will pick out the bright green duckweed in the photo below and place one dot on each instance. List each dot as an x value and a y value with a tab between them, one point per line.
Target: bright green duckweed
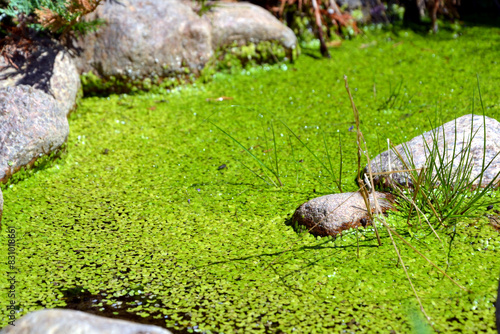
138	202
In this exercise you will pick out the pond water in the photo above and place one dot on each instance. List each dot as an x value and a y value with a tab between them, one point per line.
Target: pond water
139	201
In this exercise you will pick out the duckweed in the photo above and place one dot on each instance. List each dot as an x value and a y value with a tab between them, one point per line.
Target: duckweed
138	204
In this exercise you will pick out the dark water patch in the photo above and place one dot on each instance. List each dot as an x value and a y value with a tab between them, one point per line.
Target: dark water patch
80	299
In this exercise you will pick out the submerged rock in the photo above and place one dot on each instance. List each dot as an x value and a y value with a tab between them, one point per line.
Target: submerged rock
31	125
452	137
145	39
50	69
332	214
245	23
58	321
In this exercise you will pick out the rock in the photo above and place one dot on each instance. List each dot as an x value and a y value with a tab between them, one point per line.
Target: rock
145	39
49	69
446	142
59	321
31	125
332	214
373	11
245	23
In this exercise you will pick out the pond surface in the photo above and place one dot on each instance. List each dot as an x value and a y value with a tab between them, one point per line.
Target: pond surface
140	202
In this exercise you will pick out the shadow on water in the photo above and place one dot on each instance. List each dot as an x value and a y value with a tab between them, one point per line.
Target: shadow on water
324	244
82	300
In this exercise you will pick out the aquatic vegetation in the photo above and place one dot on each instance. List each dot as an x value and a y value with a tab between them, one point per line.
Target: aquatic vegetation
139	201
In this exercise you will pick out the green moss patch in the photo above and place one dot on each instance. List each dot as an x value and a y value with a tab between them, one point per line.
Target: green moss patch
139	201
229	59
235	57
93	85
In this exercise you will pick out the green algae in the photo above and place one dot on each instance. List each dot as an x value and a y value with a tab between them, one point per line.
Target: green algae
139	202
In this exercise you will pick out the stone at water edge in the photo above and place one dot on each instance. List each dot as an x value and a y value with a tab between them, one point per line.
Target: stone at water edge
419	152
31	125
246	23
49	69
332	214
57	321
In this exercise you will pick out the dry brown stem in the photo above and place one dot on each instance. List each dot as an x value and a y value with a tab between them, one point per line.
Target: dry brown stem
378	211
361	183
55	22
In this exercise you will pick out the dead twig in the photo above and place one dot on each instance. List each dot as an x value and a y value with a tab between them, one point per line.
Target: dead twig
361	183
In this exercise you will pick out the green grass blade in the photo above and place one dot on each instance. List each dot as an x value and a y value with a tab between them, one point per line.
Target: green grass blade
484	125
312	153
254	173
246	150
276	155
294	159
328	156
340	163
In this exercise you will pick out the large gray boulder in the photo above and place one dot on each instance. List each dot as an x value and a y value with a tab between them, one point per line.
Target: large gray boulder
145	39
156	39
451	137
245	23
57	321
31	125
50	69
332	214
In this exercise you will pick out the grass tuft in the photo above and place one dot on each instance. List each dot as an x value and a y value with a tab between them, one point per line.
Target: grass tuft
444	188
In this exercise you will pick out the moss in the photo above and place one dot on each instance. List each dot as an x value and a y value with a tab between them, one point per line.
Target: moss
235	57
232	59
139	201
94	85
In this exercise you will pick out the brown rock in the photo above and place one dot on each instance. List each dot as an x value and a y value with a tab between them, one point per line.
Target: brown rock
49	68
457	131
332	214
245	23
58	321
31	125
145	39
